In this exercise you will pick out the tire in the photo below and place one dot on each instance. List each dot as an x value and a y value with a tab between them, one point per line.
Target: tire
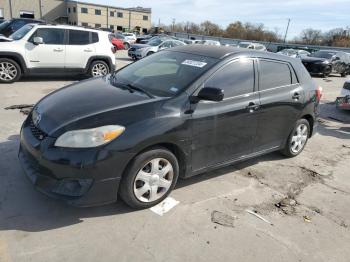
327	72
126	45
98	68
140	180
297	136
10	71
343	74
150	53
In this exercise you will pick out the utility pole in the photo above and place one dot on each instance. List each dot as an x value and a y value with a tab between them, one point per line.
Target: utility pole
285	36
41	9
130	21
174	24
10	4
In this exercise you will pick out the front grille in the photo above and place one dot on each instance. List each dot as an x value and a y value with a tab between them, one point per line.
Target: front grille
347	85
132	49
36	132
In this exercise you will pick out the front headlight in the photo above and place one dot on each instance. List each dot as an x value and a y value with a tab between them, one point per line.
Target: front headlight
85	138
325	62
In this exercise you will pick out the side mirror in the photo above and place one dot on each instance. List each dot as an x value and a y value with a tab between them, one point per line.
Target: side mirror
337	58
38	40
210	94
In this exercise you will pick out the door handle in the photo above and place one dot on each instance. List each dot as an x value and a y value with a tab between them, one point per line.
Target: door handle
87	50
58	50
296	96
252	107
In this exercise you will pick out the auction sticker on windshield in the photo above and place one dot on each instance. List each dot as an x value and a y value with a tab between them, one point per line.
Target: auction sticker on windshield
194	63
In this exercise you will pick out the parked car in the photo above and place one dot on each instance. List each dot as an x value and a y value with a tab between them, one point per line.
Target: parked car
139	51
296	53
343	101
55	49
251	45
175	114
117	43
121	38
10	26
207	42
130	37
325	62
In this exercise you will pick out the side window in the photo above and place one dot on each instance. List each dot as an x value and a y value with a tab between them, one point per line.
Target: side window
166	44
50	36
273	74
77	37
94	37
236	78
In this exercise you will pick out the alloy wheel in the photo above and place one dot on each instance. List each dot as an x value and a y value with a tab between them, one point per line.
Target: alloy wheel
153	180
8	71
99	69
299	138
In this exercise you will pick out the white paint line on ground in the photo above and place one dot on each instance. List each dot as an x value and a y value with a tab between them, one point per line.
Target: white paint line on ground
165	206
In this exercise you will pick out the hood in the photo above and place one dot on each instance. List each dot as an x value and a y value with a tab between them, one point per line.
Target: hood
310	59
85	104
139	46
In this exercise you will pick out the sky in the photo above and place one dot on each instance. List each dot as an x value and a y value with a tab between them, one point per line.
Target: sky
318	14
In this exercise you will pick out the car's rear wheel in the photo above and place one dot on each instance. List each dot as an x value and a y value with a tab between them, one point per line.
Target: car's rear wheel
150	178
150	53
327	71
98	68
297	139
10	71
126	45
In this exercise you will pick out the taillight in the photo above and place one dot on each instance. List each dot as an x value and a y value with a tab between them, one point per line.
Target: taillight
318	94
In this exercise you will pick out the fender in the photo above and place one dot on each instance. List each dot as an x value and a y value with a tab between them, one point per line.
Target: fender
18	58
103	58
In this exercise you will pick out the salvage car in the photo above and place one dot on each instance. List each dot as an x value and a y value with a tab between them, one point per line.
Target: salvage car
296	53
251	45
325	62
139	51
174	114
343	102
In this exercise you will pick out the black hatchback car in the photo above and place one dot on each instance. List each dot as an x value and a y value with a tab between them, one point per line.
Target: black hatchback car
8	27
325	62
177	113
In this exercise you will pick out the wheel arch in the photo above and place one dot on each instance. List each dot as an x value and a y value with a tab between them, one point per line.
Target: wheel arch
105	59
18	58
311	121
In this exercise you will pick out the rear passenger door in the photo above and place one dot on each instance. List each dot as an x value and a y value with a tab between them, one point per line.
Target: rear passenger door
281	98
222	131
80	47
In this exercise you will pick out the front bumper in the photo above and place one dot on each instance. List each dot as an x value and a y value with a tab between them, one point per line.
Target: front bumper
79	177
343	102
134	54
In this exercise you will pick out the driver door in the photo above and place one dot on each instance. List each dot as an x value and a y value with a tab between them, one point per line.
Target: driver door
51	53
226	130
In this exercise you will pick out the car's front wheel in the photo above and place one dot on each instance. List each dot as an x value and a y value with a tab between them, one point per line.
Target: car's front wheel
126	45
98	68
150	178
297	139
9	71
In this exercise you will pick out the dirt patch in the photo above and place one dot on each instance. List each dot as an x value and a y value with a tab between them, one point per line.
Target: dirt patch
222	219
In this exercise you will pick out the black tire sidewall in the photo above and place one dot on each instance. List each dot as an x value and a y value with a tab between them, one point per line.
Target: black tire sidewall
288	150
98	62
150	53
126	188
19	72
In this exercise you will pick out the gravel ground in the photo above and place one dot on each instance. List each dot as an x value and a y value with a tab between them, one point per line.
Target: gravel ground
305	200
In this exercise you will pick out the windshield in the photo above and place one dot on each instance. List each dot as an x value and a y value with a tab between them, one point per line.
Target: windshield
20	33
165	73
288	52
323	54
3	25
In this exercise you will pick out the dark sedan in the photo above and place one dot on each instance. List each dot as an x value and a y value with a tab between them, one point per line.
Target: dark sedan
8	27
325	62
174	114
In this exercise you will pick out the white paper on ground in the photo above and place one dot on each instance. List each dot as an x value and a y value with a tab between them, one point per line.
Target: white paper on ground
164	206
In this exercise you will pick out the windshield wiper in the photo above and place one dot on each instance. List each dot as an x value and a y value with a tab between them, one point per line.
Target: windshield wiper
131	88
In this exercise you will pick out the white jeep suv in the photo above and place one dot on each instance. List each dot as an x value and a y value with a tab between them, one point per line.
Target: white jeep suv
55	49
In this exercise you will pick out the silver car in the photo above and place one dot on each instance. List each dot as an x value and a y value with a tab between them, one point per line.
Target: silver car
139	51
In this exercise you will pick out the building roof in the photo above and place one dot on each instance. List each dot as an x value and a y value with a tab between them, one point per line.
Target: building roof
133	9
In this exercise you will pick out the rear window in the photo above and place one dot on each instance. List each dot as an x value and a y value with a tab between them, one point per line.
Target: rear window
77	37
273	74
